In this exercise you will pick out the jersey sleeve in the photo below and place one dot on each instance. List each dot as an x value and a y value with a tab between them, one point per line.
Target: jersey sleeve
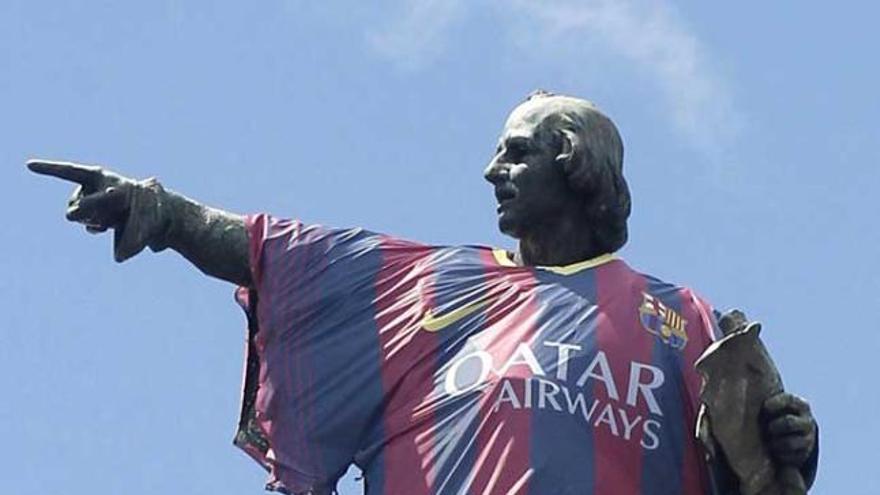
702	330
312	380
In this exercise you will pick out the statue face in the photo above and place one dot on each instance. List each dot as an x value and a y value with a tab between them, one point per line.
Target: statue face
530	186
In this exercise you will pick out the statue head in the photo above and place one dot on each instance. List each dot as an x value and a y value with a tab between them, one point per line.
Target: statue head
560	160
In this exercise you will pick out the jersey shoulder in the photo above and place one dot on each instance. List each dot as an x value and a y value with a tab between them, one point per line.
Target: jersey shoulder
682	299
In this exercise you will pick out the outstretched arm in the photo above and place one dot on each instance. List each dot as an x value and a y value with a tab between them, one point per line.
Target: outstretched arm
143	213
213	240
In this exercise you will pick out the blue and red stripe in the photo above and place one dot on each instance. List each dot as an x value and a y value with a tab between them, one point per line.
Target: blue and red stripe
568	318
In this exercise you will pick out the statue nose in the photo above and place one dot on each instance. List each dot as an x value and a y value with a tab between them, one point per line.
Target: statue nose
496	172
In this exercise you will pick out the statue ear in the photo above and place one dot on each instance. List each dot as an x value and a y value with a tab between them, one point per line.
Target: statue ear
569	139
576	160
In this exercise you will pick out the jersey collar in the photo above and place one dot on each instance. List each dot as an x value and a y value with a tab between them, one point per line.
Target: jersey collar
502	258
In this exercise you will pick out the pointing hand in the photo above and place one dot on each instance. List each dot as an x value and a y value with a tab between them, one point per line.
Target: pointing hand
104	199
100	200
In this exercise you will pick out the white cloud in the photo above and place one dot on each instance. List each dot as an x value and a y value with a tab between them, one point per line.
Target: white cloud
646	35
419	33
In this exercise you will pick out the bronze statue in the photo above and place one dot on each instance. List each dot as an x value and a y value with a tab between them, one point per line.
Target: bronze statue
557	177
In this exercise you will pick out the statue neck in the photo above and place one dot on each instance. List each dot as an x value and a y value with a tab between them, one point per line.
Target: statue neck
562	243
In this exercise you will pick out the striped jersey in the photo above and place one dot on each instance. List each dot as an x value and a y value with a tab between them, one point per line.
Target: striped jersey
449	370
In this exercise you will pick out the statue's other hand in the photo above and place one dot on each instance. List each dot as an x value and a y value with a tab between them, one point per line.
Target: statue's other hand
101	199
790	428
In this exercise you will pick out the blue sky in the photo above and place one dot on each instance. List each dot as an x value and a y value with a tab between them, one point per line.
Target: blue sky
751	150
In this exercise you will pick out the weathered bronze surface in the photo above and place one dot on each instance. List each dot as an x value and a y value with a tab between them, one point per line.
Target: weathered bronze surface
739	376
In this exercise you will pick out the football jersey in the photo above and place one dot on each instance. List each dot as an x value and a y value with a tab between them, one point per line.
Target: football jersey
450	370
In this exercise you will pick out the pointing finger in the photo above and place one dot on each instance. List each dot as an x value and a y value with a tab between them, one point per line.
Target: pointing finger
74	172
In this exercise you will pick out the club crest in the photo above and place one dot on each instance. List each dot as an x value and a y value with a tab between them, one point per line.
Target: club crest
663	322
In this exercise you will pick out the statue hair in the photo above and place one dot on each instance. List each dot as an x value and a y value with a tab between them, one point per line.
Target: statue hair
593	166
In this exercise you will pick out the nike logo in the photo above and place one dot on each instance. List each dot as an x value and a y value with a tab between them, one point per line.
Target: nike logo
434	323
